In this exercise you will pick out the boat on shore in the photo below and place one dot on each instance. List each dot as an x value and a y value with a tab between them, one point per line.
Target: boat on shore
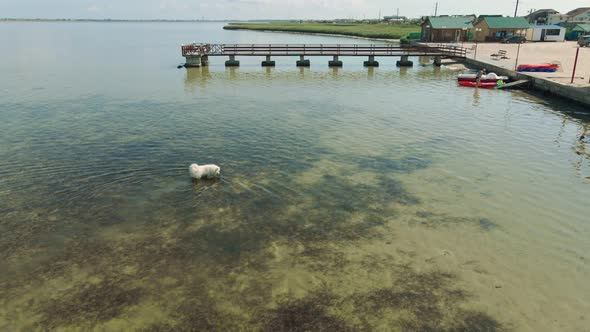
540	68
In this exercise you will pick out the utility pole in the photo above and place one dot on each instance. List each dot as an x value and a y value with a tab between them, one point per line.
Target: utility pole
397	13
516	10
436	9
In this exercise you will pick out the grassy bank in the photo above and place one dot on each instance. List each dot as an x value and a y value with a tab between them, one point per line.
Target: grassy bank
385	31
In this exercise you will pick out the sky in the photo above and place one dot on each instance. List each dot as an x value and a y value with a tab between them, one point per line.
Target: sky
266	9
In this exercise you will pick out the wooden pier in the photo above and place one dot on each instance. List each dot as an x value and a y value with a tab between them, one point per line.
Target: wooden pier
198	54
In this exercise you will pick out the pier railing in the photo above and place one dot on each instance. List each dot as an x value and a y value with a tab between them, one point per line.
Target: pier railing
321	50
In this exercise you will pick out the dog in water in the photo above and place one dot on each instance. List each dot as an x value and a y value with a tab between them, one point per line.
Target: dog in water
204	172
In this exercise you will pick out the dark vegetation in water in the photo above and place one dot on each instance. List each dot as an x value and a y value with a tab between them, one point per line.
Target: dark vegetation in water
227	236
88	304
311	313
226	243
470	320
322	258
377	263
416	301
407	164
423	301
335	211
19	228
420	301
435	220
197	313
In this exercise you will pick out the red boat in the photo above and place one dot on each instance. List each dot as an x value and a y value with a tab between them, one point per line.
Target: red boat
482	85
489	78
543	67
483	80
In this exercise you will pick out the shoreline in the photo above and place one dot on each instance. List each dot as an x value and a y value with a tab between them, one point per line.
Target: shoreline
318	34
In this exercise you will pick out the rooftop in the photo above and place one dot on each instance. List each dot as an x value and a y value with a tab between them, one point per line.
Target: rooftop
540	11
450	22
582	27
547	26
495	22
578	11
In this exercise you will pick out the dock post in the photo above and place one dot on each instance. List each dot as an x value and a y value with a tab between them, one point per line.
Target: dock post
302	62
268	62
335	63
192	60
204	60
371	62
232	62
438	61
404	62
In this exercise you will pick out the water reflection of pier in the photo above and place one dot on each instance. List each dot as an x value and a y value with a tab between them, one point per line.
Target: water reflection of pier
197	76
201	76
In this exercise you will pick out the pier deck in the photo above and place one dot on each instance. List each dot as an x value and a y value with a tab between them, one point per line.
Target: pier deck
197	52
321	50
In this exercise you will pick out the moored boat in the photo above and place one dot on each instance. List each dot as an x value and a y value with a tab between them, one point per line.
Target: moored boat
483	85
488	78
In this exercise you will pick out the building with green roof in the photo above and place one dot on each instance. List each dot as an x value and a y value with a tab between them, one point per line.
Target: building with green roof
494	28
580	30
444	29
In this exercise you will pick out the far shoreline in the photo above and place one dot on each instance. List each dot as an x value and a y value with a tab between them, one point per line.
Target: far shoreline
319	34
382	32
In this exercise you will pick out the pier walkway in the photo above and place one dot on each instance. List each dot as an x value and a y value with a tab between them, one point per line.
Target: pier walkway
198	54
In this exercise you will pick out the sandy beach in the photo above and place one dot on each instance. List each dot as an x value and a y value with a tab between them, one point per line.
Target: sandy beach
563	53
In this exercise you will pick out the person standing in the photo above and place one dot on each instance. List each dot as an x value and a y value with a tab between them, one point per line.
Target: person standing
478	76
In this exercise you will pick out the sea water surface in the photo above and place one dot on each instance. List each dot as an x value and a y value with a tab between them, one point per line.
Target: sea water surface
352	199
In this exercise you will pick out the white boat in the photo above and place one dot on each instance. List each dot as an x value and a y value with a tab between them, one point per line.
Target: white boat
490	77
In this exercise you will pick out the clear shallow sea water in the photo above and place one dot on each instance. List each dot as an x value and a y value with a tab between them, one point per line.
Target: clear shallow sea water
351	199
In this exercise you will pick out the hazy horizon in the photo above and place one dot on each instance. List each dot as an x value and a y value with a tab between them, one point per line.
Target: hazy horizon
262	9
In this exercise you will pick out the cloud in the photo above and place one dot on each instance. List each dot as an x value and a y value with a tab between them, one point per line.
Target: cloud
94	9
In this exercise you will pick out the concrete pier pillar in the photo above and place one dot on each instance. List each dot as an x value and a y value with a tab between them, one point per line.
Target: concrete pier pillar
268	62
204	60
437	61
302	62
335	63
371	62
404	62
232	62
192	61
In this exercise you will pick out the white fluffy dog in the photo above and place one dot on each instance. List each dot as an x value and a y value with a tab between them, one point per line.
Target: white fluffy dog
205	171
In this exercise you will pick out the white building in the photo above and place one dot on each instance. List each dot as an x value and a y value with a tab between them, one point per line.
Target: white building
578	15
546	33
556	18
